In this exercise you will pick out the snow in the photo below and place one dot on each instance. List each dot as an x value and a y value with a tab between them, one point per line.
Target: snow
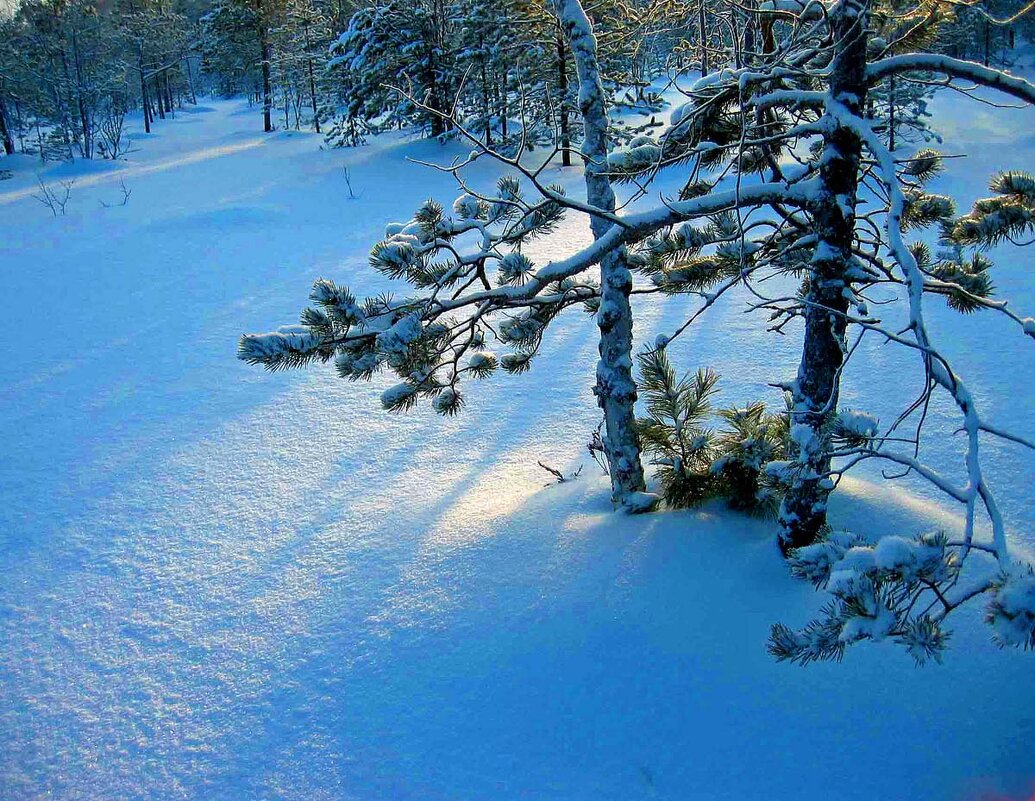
395	394
224	584
859	424
285	338
393	341
482	361
1013	616
515	266
467	207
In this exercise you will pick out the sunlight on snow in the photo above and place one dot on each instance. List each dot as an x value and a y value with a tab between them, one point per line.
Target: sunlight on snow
138	170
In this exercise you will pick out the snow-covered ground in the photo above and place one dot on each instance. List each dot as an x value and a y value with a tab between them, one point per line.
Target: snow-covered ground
220	584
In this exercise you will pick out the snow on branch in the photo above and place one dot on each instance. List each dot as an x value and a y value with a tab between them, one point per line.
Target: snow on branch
953	68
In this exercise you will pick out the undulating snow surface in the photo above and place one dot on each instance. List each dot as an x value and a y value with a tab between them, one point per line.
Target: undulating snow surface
221	584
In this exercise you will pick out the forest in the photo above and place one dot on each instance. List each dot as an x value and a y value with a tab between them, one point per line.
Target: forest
631	399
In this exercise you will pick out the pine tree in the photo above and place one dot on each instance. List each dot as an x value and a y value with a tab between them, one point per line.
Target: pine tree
397	63
675	433
753	439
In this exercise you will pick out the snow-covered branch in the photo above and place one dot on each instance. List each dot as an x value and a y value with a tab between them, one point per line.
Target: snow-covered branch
953	68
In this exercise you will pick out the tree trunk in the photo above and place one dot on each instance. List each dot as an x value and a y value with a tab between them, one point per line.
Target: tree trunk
486	108
65	109
20	124
562	89
438	124
312	96
190	83
169	107
159	104
815	392
749	32
703	33
615	388
312	76
891	113
5	128
84	115
436	43
143	91
768	37
265	54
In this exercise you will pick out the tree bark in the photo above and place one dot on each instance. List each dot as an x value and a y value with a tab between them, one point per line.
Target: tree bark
190	82
84	116
702	31
892	122
436	43
562	90
749	32
266	55
486	110
166	89
988	42
312	76
815	392
615	389
5	128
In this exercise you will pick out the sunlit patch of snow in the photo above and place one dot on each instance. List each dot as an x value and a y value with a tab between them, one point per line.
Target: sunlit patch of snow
140	170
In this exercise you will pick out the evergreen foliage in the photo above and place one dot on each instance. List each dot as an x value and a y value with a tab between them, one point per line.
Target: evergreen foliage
416	338
695	462
674	432
753	438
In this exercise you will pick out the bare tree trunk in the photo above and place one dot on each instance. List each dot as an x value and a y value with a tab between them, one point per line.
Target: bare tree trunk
143	90
749	31
562	87
891	113
5	127
84	115
815	392
988	42
506	111
312	75
768	37
69	127
703	33
39	141
436	43
266	55
20	126
438	125
157	96
615	388
169	106
312	96
486	108
190	82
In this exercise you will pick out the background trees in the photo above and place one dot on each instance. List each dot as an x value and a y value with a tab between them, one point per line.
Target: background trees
502	68
71	69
